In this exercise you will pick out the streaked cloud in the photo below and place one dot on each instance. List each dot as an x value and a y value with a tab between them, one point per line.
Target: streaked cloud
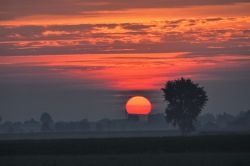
205	36
116	71
12	9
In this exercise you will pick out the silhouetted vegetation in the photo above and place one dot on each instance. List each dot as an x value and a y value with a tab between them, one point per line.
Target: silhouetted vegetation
185	101
223	122
46	122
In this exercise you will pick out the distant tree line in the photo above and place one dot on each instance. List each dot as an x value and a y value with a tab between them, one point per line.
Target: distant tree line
46	123
224	122
207	122
185	102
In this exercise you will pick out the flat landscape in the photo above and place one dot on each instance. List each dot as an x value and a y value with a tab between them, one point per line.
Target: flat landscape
205	150
159	159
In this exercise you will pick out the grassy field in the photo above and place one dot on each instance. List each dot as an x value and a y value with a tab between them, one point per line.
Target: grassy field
159	159
216	150
180	144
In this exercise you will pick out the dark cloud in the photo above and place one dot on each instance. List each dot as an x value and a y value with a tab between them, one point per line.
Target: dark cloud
64	32
11	9
214	19
156	37
175	45
136	27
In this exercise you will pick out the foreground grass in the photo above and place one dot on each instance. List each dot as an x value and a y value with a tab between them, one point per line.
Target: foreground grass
160	159
206	150
211	143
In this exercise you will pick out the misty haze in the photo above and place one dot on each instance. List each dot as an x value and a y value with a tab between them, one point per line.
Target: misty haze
103	82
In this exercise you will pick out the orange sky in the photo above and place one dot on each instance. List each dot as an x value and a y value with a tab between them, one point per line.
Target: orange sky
124	71
112	39
131	14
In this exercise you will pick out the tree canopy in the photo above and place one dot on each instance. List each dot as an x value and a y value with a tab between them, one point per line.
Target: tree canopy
185	100
47	122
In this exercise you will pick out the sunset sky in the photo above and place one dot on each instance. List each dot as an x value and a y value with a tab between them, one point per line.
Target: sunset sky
84	58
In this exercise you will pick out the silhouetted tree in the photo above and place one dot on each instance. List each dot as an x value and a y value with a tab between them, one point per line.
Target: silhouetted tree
133	117
84	124
241	121
185	100
8	127
223	120
156	118
31	125
46	122
103	124
206	118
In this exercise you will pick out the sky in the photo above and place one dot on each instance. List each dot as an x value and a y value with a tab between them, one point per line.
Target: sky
79	59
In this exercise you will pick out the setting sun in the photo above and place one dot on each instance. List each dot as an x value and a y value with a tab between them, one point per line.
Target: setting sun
138	105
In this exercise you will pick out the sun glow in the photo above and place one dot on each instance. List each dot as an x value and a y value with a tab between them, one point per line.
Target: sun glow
138	105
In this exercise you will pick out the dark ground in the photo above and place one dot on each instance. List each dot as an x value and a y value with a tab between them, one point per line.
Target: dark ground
228	150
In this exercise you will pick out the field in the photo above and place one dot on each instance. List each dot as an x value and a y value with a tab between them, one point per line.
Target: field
216	150
168	159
